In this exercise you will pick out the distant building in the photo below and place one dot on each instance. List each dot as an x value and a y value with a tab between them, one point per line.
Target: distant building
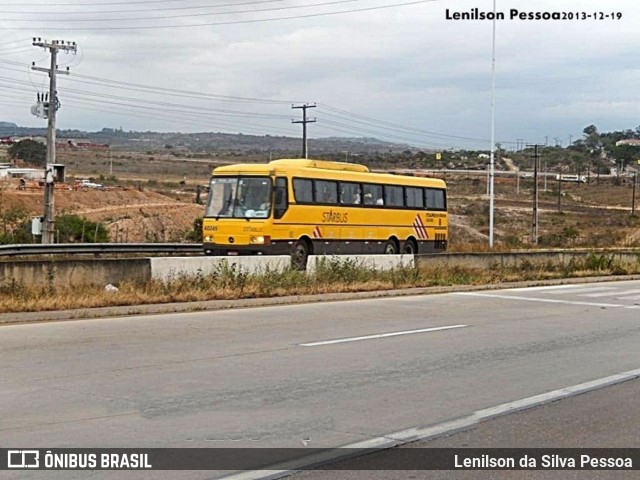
73	144
631	141
26	173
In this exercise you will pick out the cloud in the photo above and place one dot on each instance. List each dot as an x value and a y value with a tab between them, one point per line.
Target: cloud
407	65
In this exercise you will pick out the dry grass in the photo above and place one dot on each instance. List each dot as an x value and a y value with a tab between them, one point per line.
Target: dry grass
333	275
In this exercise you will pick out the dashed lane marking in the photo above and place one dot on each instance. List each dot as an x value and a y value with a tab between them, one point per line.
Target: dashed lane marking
380	335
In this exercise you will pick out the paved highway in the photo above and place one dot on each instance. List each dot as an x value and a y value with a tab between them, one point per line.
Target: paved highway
319	375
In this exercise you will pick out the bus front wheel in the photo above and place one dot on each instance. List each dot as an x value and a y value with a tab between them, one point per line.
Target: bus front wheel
391	247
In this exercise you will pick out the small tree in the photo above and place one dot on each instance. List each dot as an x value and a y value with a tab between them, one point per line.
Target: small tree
195	234
29	151
15	226
74	229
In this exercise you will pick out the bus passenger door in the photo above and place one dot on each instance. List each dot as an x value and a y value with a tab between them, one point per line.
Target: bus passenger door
280	200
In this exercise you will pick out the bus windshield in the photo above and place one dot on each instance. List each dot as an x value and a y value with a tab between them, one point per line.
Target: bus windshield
239	197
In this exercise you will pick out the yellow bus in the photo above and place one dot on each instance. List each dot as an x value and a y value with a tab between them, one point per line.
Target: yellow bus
312	207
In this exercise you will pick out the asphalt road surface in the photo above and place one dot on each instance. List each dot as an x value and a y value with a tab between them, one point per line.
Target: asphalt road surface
314	375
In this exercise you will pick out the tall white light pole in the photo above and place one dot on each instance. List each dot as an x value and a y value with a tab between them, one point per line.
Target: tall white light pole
493	127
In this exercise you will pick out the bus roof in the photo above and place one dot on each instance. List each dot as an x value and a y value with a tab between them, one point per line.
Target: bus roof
293	163
325	169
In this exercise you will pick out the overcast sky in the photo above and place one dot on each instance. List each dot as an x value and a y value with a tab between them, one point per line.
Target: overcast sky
393	69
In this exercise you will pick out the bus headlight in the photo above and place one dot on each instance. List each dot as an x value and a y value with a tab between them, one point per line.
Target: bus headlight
260	240
208	238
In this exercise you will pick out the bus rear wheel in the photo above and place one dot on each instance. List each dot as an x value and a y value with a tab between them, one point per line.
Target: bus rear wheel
300	254
410	247
391	247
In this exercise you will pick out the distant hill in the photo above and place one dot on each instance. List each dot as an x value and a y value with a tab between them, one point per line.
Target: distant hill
212	142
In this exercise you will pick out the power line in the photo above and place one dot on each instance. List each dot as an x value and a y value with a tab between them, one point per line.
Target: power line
89	4
232	22
403	128
351	122
175	17
153	89
92	12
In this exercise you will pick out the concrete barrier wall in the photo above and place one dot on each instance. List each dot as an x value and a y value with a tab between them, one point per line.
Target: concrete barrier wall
518	259
378	262
104	271
166	268
58	273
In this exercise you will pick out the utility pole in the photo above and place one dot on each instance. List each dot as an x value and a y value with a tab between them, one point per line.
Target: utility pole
48	227
492	155
304	122
560	188
633	195
534	219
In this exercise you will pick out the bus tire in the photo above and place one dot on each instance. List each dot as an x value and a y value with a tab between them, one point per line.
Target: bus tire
410	247
300	254
391	247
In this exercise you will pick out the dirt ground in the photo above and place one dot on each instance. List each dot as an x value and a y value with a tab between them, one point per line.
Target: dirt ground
594	215
151	198
130	214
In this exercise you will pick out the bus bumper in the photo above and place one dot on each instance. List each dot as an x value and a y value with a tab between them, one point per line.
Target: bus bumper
275	248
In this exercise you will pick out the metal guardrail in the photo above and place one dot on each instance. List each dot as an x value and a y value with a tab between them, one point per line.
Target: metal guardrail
98	248
190	248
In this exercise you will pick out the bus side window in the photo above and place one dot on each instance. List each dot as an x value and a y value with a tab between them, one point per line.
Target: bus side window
302	189
349	193
393	196
372	194
414	197
281	203
326	192
436	199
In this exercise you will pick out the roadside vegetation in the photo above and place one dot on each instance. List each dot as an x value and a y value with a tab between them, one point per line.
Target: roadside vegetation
15	228
332	275
154	197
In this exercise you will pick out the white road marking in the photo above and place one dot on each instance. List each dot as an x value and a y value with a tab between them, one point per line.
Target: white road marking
446	428
380	335
548	300
547	287
584	290
611	294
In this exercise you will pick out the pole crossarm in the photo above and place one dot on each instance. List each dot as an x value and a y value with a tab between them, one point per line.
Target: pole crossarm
304	122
